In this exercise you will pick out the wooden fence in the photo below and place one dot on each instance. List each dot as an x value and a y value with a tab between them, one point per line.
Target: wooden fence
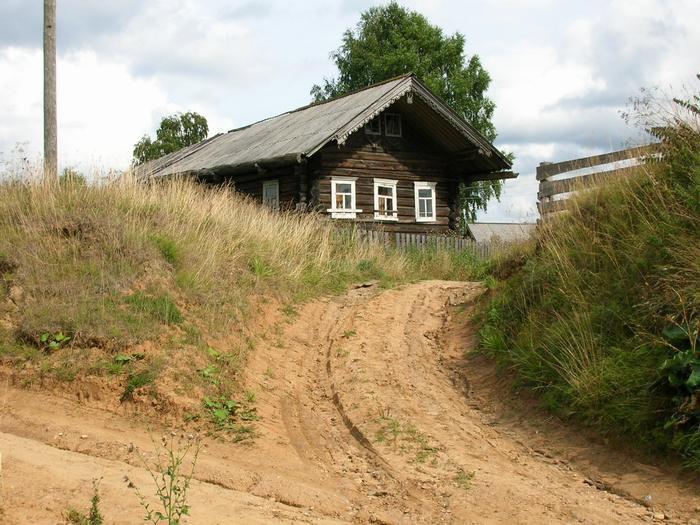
561	180
425	241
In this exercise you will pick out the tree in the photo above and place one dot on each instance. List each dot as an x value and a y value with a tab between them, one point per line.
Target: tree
175	132
390	41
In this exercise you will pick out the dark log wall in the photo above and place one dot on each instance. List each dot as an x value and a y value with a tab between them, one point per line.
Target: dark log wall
251	184
407	159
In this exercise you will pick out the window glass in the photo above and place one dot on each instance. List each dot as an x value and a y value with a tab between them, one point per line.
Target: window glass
425	193
392	124
343	187
373	127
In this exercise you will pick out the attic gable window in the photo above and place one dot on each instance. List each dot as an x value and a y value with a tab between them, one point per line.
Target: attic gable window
343	198
374	126
392	125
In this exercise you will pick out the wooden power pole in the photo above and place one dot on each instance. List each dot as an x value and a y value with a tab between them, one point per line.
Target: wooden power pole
50	124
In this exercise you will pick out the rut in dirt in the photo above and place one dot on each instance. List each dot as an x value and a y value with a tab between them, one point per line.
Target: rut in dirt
372	412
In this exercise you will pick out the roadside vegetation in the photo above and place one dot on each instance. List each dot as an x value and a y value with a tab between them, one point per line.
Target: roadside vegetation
603	317
158	288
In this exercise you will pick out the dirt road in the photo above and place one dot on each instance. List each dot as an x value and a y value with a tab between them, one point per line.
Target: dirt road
371	413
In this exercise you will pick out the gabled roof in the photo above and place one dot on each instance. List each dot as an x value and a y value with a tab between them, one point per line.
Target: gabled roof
298	134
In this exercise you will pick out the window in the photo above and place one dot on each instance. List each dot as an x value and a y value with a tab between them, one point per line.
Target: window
392	125
271	194
385	205
374	126
343	198
425	201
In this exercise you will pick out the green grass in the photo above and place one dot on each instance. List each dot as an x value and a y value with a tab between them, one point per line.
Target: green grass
602	319
159	307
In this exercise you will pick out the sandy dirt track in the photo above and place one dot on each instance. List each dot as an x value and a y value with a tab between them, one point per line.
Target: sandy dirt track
371	413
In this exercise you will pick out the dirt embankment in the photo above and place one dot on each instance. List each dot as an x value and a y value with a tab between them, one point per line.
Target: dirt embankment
370	413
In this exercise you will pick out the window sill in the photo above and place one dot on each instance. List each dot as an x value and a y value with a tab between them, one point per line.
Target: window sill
426	219
385	218
343	214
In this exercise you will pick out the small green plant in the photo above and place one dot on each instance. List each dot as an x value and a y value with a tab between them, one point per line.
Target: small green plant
168	249
463	479
290	311
211	374
227	414
341	352
94	517
50	342
347	334
260	268
171	477
137	380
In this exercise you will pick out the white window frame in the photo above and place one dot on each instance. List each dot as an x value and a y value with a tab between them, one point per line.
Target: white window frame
394	213
369	131
422	185
342	213
386	128
270	184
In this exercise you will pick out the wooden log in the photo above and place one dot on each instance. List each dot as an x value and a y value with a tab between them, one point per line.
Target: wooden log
545	170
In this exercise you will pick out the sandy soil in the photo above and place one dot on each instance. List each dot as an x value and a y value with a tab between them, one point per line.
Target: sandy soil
371	413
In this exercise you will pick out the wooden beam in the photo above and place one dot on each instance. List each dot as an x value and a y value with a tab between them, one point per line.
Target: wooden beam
302	173
555	187
549	169
551	206
496	175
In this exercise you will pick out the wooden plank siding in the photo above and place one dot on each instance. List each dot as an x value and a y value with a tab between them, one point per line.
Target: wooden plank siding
407	159
251	184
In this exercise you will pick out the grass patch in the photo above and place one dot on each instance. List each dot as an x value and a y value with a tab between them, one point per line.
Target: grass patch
159	307
603	318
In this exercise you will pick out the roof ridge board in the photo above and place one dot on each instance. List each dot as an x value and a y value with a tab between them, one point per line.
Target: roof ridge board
322	102
335	134
476	135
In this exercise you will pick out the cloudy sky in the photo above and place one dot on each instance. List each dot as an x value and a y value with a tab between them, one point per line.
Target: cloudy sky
561	70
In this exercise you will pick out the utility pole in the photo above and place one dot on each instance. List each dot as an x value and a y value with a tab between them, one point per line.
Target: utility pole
50	125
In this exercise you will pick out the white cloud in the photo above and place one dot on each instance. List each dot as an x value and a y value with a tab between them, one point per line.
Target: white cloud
560	71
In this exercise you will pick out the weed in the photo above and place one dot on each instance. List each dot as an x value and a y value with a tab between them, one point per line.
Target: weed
463	479
290	311
94	516
137	380
55	341
347	334
342	352
167	248
227	414
172	479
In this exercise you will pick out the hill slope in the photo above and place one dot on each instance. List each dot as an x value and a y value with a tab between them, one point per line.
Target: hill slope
603	319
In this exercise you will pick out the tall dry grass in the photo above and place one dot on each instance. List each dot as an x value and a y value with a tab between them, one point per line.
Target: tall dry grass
604	317
177	263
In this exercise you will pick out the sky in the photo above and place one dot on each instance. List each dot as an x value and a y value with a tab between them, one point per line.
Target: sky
562	71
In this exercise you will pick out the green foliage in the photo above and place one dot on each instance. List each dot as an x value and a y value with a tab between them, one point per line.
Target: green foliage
71	176
171	479
175	132
225	412
94	517
390	41
159	307
49	342
167	248
137	380
603	318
